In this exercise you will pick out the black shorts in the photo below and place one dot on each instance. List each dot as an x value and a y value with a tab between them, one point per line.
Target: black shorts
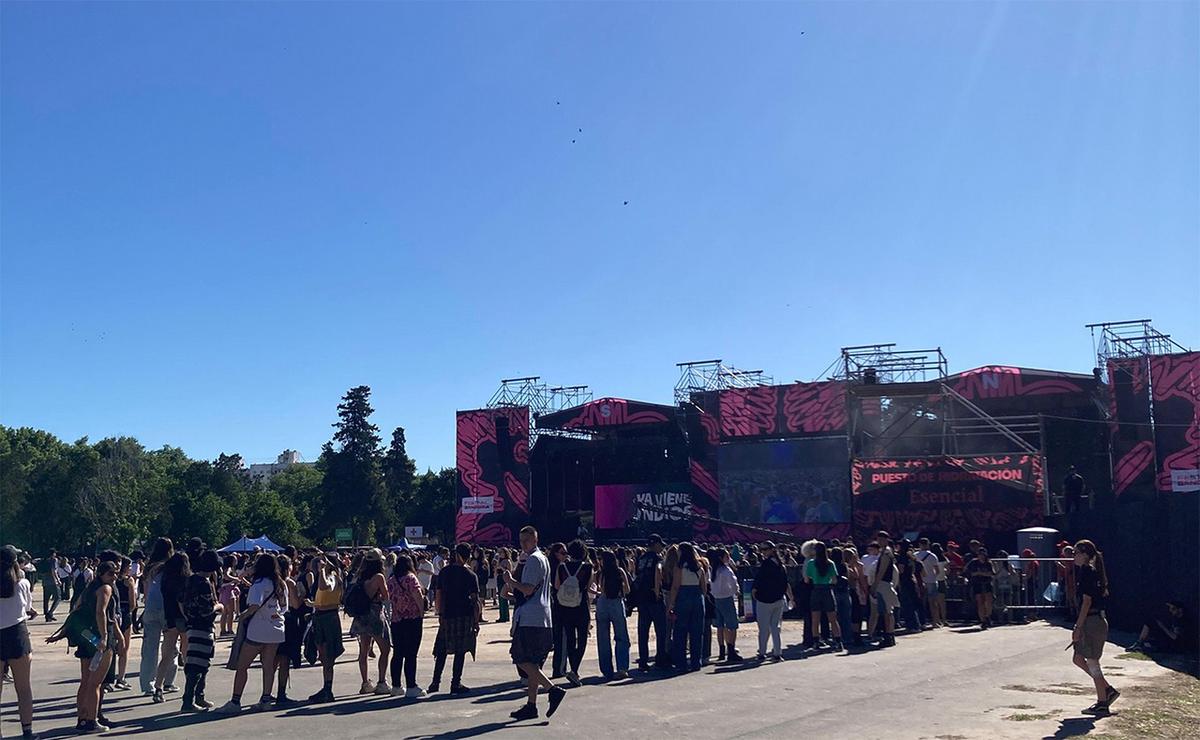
531	645
978	588
14	642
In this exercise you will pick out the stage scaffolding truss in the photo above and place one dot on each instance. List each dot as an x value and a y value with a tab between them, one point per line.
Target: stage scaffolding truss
883	363
1121	339
541	399
715	375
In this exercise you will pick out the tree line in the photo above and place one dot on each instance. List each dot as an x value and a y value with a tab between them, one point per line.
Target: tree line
83	496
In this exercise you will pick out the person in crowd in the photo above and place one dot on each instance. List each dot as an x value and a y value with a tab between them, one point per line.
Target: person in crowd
612	631
175	573
910	599
372	625
771	594
503	564
870	564
955	560
1066	577
126	589
1091	624
859	588
1031	576
533	634
425	576
883	588
326	626
64	577
408	611
724	589
16	606
1165	631
981	574
685	608
1006	581
456	603
200	611
821	573
51	586
937	594
927	568
289	652
265	631
93	632
841	594
572	586
557	555
231	594
154	619
647	597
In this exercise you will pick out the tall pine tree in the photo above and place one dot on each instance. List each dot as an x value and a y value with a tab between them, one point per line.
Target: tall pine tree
399	470
354	495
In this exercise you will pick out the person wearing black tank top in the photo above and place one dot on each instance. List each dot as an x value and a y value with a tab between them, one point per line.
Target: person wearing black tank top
611	626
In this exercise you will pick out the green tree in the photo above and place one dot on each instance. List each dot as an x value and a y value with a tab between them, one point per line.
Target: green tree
300	487
353	492
434	505
399	472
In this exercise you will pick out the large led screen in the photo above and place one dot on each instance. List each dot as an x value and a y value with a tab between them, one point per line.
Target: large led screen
785	481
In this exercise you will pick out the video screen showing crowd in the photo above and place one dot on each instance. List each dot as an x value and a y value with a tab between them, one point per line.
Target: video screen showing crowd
785	482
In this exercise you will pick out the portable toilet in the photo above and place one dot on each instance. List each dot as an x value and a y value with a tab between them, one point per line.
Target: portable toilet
1041	540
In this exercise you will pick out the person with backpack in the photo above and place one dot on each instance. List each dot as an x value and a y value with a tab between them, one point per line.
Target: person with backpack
573	583
92	629
366	600
16	607
200	610
263	632
647	598
325	628
610	617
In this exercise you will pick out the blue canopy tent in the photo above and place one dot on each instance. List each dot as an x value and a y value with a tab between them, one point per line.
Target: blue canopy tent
247	544
403	544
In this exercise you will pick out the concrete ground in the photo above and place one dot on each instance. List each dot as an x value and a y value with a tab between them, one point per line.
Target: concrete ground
1008	682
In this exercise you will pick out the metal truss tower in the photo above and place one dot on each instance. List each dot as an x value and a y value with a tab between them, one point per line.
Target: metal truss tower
715	375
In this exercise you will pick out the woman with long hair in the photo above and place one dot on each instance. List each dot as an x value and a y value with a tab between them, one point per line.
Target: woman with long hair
372	628
16	606
127	590
408	614
1091	626
153	617
689	583
980	572
230	594
95	637
289	651
841	594
724	588
858	594
175	573
937	597
611	627
267	603
820	571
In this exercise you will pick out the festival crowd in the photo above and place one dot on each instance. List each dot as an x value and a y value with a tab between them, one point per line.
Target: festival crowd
285	610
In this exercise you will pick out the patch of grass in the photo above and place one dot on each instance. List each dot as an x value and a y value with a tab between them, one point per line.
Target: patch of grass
1133	656
1027	717
1166	707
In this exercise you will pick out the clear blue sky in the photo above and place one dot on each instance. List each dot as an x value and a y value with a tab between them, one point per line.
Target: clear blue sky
219	217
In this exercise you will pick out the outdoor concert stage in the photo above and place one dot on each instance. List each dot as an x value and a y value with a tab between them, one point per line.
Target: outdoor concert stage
889	441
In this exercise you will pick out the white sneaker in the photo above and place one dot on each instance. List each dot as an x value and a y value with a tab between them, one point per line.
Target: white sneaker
415	692
382	689
367	688
398	691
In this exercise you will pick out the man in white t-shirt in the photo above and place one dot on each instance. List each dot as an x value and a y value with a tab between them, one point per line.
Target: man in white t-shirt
533	637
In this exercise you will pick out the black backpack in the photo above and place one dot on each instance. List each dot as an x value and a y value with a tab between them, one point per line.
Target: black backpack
356	601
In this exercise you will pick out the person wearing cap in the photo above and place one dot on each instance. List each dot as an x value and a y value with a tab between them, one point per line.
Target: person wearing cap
372	628
771	594
954	559
646	595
